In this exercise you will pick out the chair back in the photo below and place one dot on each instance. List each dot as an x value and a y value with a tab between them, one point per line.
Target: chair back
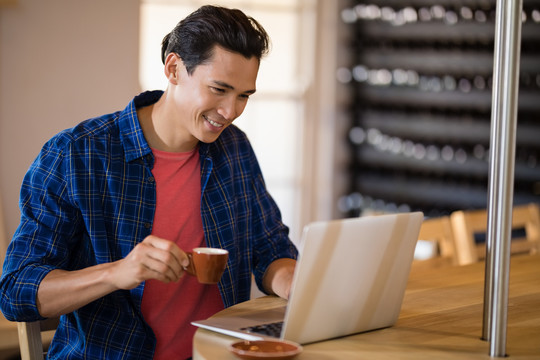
31	344
468	223
438	230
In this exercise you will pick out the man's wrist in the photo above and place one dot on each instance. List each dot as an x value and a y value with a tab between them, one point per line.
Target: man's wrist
278	277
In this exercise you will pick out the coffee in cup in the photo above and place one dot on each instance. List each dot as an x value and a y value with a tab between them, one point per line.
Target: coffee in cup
207	264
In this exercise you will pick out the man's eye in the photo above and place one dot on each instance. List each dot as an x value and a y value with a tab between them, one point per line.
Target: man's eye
217	90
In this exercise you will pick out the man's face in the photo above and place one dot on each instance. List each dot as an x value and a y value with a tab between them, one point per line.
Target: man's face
214	95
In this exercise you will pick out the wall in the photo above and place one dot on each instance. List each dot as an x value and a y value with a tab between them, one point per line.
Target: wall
326	120
61	61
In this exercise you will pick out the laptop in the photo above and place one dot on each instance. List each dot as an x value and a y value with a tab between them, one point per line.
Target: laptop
350	277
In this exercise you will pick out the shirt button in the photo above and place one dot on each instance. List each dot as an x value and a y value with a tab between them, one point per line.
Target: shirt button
150	179
147	225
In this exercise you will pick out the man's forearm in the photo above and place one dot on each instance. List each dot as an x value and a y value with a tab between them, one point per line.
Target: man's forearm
62	292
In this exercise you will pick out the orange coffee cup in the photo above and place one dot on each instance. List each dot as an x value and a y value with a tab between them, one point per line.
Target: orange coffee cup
207	264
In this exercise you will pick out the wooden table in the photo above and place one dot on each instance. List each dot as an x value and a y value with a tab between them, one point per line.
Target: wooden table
441	318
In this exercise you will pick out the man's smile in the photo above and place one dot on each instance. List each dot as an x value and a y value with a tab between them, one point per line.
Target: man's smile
213	123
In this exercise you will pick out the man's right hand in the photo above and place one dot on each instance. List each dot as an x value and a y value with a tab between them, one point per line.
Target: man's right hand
153	258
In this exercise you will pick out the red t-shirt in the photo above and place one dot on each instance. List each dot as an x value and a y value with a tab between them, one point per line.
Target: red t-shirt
170	308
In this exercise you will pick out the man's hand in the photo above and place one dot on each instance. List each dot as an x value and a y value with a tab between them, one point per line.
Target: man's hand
153	258
278	277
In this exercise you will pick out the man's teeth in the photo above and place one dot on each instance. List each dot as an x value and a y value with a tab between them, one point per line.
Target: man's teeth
213	122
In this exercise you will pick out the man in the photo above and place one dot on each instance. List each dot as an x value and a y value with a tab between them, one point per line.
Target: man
110	207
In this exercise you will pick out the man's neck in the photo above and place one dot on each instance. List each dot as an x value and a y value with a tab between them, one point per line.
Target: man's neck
160	128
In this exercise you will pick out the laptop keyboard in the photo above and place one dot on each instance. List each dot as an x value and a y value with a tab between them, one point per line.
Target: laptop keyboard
270	329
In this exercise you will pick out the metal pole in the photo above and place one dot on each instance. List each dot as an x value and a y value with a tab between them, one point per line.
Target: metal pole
494	155
503	144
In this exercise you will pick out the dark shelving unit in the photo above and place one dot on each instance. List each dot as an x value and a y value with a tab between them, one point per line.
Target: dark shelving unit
421	86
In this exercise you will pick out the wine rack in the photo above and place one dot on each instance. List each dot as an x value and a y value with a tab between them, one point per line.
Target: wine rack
420	80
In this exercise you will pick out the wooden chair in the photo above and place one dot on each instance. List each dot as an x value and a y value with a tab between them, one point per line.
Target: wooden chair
31	343
439	231
467	224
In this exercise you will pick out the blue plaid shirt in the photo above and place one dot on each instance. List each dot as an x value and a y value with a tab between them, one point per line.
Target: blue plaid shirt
90	197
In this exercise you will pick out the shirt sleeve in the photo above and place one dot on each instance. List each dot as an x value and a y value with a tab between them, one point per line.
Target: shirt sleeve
41	242
271	241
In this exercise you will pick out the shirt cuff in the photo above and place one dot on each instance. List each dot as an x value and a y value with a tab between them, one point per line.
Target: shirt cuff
20	293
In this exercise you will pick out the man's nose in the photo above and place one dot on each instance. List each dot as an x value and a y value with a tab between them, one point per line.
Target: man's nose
229	109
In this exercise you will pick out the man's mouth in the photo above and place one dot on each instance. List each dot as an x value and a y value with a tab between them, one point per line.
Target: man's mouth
213	123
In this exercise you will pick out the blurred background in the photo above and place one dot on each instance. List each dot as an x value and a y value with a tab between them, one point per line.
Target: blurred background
362	106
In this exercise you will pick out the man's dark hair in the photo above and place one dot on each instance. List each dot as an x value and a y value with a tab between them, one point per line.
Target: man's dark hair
194	38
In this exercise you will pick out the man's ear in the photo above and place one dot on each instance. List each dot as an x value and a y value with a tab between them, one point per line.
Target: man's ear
173	65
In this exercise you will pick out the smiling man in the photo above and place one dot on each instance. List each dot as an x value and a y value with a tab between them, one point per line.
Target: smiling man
110	207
